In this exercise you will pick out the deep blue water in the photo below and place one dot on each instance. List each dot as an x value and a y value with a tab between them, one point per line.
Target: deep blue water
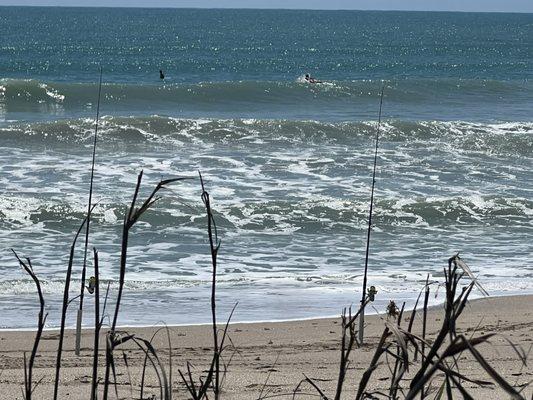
247	63
68	45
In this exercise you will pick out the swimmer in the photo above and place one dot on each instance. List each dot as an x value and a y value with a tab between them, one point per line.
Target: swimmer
310	79
161	74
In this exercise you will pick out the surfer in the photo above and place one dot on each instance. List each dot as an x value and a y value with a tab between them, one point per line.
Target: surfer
161	74
310	79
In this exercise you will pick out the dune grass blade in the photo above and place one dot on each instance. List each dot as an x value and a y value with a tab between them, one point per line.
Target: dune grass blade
66	302
41	320
460	387
131	217
169	361
214	245
143	374
126	363
454	348
452	280
424	317
515	395
347	343
261	397
347	325
97	326
199	391
470	274
373	364
163	380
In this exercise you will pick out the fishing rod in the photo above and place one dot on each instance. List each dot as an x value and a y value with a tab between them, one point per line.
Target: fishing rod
83	272
364	294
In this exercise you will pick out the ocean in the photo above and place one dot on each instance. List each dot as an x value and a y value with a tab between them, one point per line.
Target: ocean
288	164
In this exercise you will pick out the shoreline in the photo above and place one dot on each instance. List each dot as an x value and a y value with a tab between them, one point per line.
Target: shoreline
473	297
281	350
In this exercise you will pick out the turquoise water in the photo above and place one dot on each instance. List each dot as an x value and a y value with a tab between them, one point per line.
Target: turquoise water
288	163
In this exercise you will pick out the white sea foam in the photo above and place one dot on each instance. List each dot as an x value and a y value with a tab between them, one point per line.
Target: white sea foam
290	201
52	93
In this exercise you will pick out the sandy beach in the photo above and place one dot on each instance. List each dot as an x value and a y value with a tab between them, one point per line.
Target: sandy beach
272	357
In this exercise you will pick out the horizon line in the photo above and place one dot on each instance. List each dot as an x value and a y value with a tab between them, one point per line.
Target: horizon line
264	9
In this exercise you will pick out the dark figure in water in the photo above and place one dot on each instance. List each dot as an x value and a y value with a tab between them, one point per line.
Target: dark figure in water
310	79
161	74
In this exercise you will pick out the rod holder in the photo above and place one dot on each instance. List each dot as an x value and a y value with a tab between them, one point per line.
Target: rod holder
78	331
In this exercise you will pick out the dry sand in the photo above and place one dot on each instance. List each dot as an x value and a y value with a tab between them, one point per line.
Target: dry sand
308	347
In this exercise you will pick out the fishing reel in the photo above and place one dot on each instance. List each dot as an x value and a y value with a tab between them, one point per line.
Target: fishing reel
92	285
371	293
